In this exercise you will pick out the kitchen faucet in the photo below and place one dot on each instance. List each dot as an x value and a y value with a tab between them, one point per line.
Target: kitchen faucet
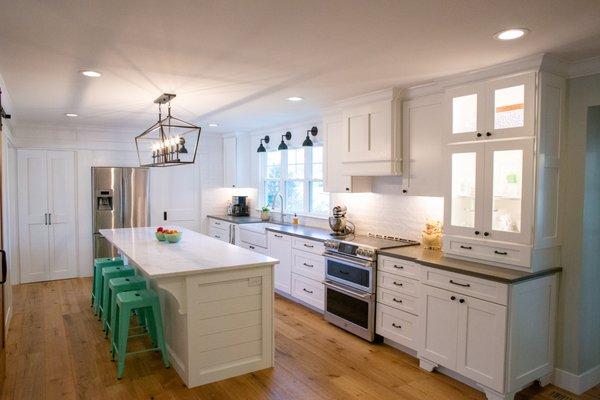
282	205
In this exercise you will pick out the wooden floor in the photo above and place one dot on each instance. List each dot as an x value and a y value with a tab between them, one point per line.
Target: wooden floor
56	350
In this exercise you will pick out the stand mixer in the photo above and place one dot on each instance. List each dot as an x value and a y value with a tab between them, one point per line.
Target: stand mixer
339	224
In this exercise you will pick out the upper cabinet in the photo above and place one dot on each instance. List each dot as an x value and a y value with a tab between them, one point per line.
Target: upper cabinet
493	109
236	161
501	168
371	141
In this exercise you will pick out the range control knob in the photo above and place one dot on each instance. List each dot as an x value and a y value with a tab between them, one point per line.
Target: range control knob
369	253
360	252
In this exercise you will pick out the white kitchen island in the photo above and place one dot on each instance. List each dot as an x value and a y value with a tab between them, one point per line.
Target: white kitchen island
217	301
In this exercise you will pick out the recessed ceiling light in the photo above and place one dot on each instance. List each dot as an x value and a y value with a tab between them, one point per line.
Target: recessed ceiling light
213	125
295	98
91	74
511	34
71	115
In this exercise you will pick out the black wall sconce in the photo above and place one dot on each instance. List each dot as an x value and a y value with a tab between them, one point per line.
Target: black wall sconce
261	148
312	131
283	145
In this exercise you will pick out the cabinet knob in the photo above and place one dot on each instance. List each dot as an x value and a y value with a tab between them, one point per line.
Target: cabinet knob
479	134
461	301
453	298
486	234
404	191
488	134
347	189
477	232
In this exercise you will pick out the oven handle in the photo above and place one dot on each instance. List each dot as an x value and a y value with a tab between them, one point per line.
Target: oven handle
349	259
352	293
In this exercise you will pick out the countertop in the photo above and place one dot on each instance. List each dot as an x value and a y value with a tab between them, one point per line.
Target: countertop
436	259
237	220
194	254
302	231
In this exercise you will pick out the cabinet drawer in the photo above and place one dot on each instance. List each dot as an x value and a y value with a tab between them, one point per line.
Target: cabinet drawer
398	284
308	264
275	239
511	254
398	266
218	233
218	223
312	246
396	325
308	290
480	288
254	238
396	300
258	249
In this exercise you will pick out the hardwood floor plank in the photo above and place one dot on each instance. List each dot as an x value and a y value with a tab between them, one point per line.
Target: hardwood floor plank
56	350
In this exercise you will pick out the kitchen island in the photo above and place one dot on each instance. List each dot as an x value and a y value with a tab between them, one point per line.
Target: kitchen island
216	299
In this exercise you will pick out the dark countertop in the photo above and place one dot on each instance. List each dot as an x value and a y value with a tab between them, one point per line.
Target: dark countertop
436	259
236	220
306	232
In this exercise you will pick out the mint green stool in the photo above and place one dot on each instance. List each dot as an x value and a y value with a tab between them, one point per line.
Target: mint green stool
108	274
138	300
99	265
116	286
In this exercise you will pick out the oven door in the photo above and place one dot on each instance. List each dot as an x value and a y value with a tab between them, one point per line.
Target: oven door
350	309
350	271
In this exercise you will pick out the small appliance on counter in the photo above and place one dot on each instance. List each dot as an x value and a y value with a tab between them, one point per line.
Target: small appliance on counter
339	224
238	207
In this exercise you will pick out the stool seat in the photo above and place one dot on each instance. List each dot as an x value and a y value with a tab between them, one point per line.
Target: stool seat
116	286
109	273
137	300
99	265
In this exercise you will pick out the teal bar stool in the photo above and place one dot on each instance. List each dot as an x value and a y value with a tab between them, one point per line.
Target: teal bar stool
108	274
116	286
138	300
99	265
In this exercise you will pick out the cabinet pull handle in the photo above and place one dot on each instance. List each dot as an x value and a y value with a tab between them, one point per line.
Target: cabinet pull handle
49	218
460	284
398	284
502	253
344	272
308	265
466	247
277	236
252	247
399	266
310	246
217	223
397	300
479	134
45	218
164	215
307	291
488	134
486	234
217	236
396	325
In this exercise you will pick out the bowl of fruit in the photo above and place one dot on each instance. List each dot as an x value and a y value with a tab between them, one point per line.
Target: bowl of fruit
160	234
172	235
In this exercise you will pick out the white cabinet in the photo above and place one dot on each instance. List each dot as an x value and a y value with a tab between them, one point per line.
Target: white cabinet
224	231
47	215
371	138
499	108
236	161
336	178
280	247
422	150
174	196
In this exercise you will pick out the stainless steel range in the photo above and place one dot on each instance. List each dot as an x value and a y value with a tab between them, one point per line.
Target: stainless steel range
350	280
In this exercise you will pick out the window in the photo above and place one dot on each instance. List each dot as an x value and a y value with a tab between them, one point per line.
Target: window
298	175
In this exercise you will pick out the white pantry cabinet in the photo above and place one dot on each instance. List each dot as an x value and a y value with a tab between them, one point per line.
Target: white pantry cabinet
371	139
336	178
280	247
422	150
47	215
498	108
236	161
501	196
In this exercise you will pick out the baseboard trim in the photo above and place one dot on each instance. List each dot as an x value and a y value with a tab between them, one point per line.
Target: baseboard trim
577	384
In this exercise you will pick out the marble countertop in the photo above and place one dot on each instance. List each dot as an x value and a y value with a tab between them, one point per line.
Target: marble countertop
236	220
436	259
301	231
195	253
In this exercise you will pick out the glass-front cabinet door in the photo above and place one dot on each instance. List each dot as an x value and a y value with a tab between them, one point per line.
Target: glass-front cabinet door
464	108
464	205
510	108
508	195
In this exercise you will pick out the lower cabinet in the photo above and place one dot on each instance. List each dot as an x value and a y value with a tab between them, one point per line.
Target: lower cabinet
397	325
280	247
223	230
308	290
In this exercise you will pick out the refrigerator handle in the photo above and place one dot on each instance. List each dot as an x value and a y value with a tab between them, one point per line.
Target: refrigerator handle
3	267
164	215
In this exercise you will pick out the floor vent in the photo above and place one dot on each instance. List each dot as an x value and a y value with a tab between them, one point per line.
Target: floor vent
560	396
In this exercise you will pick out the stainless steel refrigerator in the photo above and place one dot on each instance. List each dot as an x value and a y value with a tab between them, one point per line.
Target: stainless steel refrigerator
119	200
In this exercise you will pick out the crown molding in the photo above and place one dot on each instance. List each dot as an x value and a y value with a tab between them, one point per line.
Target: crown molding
585	67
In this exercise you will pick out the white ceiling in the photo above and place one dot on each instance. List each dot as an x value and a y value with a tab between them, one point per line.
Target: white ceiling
236	62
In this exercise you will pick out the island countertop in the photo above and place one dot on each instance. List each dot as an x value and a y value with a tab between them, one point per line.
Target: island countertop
194	254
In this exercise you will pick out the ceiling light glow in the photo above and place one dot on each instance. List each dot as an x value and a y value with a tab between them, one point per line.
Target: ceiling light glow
71	115
511	34
213	125
295	98
91	74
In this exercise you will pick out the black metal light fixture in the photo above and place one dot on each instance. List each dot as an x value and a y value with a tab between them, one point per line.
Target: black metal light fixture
261	148
283	145
312	131
164	143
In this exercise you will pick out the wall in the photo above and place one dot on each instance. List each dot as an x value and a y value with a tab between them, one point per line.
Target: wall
578	350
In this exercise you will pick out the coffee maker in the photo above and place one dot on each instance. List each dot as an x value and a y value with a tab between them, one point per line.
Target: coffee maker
239	206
